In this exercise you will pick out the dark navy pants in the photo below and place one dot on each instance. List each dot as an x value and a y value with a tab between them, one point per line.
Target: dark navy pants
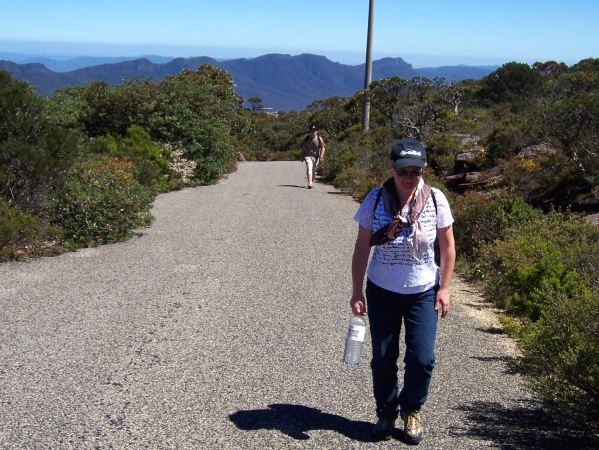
386	311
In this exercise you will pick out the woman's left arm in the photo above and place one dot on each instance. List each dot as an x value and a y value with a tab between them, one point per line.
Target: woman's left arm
447	260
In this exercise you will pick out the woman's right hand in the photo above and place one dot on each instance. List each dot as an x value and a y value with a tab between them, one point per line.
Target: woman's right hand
358	305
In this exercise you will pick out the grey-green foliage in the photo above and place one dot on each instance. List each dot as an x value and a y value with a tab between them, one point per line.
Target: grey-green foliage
194	110
33	152
99	201
560	342
540	268
20	230
572	126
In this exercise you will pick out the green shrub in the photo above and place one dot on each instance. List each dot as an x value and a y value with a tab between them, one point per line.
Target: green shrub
583	255
338	158
194	111
20	231
151	159
213	154
356	181
521	270
444	147
561	354
33	152
544	272
505	141
538	175
482	219
249	155
471	121
531	250
100	201
284	156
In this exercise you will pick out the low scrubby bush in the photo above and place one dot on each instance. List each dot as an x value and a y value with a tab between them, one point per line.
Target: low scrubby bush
338	157
519	269
358	165
542	270
100	201
150	159
482	219
357	182
545	250
443	148
284	156
561	353
21	231
505	141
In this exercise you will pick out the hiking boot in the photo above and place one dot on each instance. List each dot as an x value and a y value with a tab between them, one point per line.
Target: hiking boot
412	427
384	429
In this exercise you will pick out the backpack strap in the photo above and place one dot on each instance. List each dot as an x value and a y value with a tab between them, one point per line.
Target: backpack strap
378	199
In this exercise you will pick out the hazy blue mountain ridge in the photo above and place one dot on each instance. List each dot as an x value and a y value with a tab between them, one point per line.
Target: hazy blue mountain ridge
68	64
283	82
456	72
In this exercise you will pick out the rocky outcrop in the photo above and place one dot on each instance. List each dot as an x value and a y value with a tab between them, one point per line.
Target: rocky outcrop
464	181
536	150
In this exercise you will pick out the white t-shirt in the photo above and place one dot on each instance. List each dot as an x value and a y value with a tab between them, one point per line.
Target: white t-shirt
392	266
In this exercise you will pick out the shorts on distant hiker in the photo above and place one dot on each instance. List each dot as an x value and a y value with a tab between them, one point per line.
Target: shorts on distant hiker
311	165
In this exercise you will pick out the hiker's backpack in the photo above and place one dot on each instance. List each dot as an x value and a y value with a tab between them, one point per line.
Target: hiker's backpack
312	151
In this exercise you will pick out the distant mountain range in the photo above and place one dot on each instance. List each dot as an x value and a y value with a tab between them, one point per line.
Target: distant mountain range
79	62
283	82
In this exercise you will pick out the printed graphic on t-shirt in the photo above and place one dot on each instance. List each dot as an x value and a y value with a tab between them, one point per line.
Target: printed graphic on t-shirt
396	252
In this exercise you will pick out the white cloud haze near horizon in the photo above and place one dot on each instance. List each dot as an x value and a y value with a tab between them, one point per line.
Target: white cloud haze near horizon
425	34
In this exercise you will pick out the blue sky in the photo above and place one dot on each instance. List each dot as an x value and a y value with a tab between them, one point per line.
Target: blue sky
425	33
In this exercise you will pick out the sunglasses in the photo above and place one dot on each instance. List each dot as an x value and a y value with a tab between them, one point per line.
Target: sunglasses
405	173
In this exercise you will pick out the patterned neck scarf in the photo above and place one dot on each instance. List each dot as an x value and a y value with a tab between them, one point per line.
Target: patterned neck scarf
418	239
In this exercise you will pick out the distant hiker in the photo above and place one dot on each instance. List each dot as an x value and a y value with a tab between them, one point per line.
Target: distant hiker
313	147
401	220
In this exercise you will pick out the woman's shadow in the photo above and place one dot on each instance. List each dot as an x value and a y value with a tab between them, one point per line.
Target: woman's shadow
296	420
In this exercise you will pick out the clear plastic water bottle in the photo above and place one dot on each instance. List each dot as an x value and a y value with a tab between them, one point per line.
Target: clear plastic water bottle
354	341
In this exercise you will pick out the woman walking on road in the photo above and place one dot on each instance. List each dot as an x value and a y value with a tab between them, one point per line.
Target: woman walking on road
402	219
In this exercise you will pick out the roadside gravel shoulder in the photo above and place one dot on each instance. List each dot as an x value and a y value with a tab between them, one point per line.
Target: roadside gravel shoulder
482	312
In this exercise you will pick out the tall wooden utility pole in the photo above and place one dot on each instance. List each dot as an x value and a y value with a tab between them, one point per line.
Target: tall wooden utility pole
368	74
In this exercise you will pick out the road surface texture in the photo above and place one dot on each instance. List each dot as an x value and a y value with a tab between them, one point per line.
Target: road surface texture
222	326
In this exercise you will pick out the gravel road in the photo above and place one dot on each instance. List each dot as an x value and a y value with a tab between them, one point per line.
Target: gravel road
222	326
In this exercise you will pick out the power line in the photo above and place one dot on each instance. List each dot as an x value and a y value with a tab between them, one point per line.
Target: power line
299	13
325	18
288	19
